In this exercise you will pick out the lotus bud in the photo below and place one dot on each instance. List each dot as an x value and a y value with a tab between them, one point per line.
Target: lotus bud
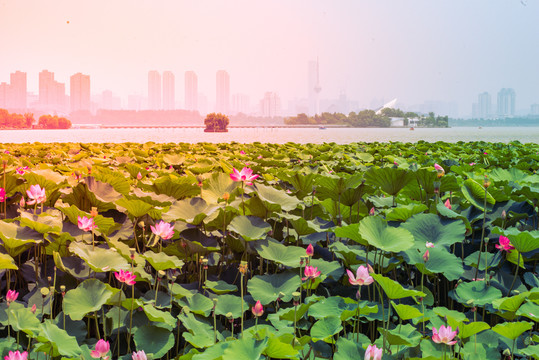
507	353
205	263
33	309
63	289
93	212
281	295
141	224
504	215
132	252
486	182
230	317
310	250
371	211
200	179
426	256
447	204
22	203
226	196
139	176
214	303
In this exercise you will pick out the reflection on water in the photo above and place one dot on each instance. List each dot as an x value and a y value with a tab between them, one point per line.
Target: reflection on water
273	135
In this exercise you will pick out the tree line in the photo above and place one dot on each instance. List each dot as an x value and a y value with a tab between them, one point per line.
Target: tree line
26	121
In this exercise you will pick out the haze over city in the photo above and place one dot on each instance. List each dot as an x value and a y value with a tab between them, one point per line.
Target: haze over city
440	53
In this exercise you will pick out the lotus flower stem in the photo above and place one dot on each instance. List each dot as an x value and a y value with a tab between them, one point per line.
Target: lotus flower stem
97	325
243	207
482	235
422	305
119	316
241	288
514	277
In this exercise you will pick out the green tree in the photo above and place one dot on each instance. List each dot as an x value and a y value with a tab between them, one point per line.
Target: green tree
216	122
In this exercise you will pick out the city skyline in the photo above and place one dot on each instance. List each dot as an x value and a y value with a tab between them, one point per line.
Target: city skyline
424	53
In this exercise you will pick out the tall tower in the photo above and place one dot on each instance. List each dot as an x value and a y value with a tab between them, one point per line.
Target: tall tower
484	105
46	88
80	92
506	102
169	90
314	88
222	92
191	91
154	90
18	90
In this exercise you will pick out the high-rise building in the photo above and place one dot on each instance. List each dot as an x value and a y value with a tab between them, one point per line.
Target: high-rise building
314	88
4	89
240	103
17	90
154	90
506	102
169	91
270	105
222	92
79	91
52	95
534	109
191	91
483	105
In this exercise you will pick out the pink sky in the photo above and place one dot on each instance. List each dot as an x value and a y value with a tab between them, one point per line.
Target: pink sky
414	51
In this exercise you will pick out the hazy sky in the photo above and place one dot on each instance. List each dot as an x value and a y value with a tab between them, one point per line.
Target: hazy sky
414	50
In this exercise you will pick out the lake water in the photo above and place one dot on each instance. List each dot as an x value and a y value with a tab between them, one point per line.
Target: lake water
273	135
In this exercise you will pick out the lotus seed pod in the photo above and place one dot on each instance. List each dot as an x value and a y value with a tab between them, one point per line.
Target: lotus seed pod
229	316
161	273
62	288
296	295
45	291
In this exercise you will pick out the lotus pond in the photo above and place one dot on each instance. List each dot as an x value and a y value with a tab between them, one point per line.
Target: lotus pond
264	251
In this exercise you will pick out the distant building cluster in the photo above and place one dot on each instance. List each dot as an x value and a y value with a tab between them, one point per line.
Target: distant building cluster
505	105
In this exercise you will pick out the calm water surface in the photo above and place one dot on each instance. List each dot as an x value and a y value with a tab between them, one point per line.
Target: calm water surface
273	135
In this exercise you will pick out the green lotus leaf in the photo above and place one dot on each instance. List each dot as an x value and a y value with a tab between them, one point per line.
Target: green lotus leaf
531	350
7	262
330	306
443	312
348	349
473	350
230	303
279	348
350	232
22	319
441	261
530	310
476	293
82	198
99	259
378	234
291	314
508	175
406	335
431	228
302	183
200	334
103	191
249	227
160	316
43	223
512	330
390	180
105	175
331	269
511	303
406	312
266	288
492	260
404	212
523	241
300	225
162	261
325	328
220	287
154	340
198	304
216	186
89	296
173	159
17	239
62	343
179	291
11	183
475	194
271	250
275	196
176	187
245	349
135	208
104	225
393	289
467	330
192	211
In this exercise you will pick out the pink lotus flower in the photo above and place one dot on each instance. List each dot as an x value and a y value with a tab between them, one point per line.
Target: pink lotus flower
22	169
101	350
429	245
447	204
33	309
504	245
373	353
444	336
362	276
22	203
426	256
242	152
16	355
139	355
86	224
11	296
259	157
371	211
2	195
245	175
438	167
310	250
258	309
311	273
36	195
139	176
472	164
162	229
126	277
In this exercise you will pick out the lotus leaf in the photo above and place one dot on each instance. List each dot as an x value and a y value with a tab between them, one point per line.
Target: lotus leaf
325	328
393	289
89	296
99	259
230	303
154	340
250	227
512	330
245	349
378	234
266	288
